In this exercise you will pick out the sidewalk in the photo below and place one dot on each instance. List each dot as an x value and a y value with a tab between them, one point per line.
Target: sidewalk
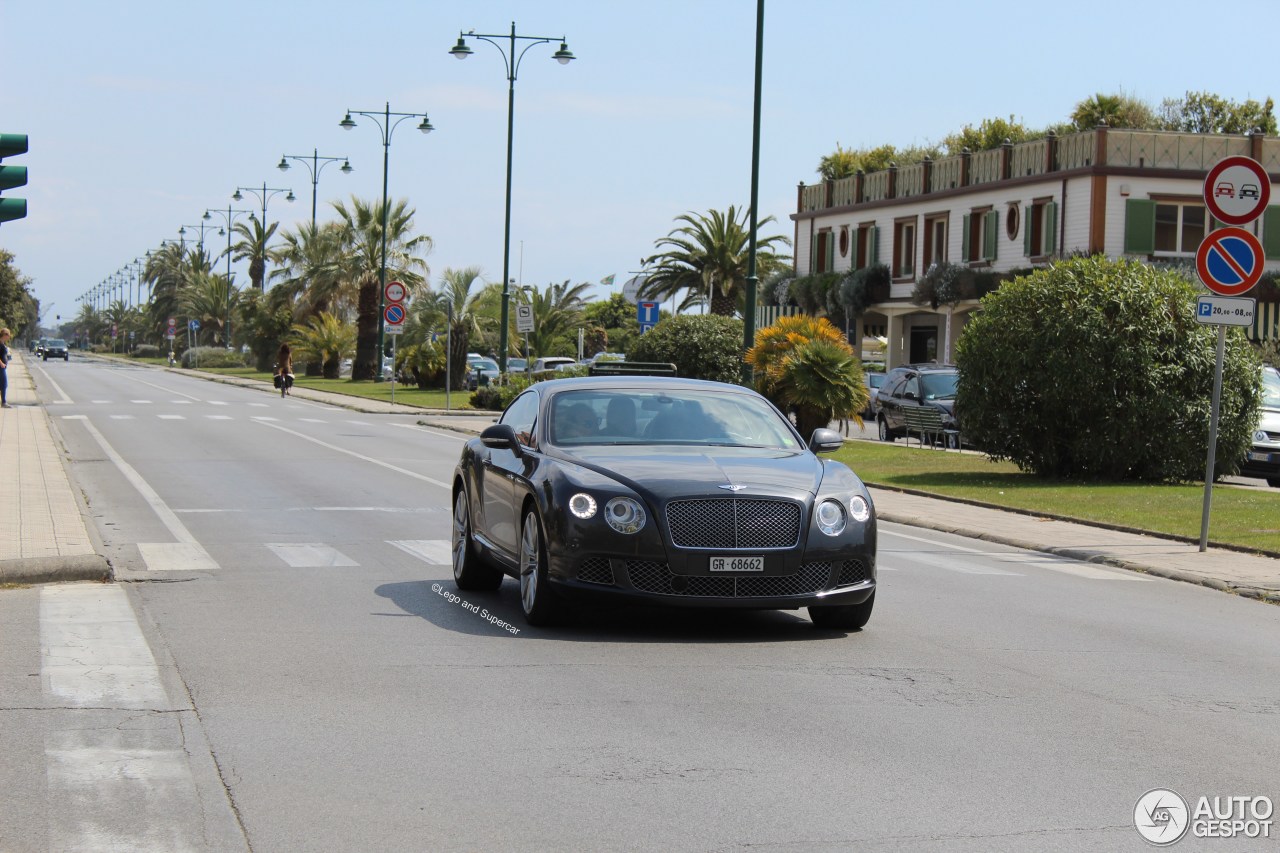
44	536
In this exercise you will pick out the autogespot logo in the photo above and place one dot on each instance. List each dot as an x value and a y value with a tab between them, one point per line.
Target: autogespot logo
1161	817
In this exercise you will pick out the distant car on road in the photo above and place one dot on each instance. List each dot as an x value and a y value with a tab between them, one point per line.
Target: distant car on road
517	365
915	386
55	348
554	362
481	371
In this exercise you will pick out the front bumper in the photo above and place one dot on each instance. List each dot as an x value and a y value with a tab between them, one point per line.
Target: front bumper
1262	460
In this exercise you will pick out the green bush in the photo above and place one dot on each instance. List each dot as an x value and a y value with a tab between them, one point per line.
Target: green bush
148	351
496	397
213	357
700	346
1097	369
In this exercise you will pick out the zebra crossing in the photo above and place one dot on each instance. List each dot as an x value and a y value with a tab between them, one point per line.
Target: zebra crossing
186	557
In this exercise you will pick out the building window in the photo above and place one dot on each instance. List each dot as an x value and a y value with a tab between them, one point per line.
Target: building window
1179	228
1040	229
866	246
935	240
822	259
981	231
904	248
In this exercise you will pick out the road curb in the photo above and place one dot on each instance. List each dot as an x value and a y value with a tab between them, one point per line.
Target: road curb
33	570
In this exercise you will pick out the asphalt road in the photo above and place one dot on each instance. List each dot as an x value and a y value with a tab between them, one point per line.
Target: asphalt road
314	688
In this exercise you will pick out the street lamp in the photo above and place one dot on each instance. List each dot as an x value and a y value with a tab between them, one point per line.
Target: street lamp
229	218
315	167
511	60
387	129
182	233
265	194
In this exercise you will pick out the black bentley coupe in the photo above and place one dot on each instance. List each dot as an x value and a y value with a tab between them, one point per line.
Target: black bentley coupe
664	491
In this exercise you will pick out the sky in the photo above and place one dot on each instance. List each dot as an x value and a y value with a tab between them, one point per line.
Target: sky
142	115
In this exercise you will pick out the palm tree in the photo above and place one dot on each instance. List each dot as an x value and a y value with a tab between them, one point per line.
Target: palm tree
166	273
556	312
204	298
709	253
315	277
254	244
455	293
325	339
362	238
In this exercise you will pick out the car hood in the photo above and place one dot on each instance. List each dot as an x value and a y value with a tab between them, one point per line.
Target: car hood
683	471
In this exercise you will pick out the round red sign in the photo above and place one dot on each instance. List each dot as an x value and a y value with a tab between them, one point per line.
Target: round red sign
1229	261
1237	190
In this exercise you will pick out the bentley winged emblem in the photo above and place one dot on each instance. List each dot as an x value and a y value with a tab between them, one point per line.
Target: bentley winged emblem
733	488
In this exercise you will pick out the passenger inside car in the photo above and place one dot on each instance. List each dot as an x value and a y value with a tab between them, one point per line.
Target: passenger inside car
576	421
620	417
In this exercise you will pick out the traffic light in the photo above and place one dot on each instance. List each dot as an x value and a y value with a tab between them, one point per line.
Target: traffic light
12	176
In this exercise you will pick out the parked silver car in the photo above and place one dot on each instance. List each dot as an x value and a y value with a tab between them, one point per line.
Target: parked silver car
1263	459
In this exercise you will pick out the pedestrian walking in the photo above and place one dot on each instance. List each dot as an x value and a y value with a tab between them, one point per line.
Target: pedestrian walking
5	334
284	370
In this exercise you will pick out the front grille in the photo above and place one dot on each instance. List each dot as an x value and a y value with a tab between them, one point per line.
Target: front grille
596	570
851	572
657	578
734	523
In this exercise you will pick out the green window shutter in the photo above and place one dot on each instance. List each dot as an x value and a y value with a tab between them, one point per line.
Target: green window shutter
990	232
1027	213
1050	228
873	246
964	238
813	254
1271	232
1139	226
831	251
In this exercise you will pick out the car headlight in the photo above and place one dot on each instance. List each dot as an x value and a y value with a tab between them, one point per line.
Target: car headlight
582	505
859	508
830	517
625	515
1260	436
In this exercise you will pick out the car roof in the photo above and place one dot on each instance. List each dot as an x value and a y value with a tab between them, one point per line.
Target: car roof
638	383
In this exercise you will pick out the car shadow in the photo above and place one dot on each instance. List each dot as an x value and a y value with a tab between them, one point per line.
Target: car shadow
441	604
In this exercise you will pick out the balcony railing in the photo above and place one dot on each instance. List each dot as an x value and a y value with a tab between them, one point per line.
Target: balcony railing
1129	149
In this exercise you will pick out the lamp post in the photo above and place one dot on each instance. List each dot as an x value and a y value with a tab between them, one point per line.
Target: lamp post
229	218
182	233
387	129
315	167
749	326
511	60
265	194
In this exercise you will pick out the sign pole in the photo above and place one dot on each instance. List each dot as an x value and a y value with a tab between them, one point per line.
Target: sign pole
448	352
1213	437
393	368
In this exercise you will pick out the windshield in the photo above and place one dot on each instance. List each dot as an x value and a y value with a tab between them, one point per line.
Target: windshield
56	342
652	416
1270	388
939	386
484	364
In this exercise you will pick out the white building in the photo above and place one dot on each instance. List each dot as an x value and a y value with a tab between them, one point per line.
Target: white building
1117	192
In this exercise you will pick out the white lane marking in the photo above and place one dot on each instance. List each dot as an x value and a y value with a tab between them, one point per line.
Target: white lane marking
218	417
264	418
172	417
437	552
259	405
62	394
101	402
196	554
176	557
160	388
180	402
310	555
363	509
436	432
312	421
948	546
92	651
218	403
95	656
359	423
141	402
75	417
952	564
123	418
423	477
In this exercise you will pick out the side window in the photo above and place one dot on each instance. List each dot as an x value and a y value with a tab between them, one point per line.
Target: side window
912	387
522	415
892	386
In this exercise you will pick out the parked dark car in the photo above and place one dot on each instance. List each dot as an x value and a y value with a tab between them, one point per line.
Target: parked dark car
641	489
915	385
55	348
480	371
1263	459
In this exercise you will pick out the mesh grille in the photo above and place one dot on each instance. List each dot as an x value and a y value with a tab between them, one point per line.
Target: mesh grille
734	523
851	571
657	578
596	570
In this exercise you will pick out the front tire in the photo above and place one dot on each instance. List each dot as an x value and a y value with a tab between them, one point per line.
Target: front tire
469	570
885	434
537	598
842	617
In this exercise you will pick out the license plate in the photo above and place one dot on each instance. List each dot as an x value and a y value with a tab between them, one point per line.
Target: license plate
1259	457
737	564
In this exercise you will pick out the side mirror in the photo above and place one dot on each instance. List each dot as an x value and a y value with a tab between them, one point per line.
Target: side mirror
825	441
501	437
